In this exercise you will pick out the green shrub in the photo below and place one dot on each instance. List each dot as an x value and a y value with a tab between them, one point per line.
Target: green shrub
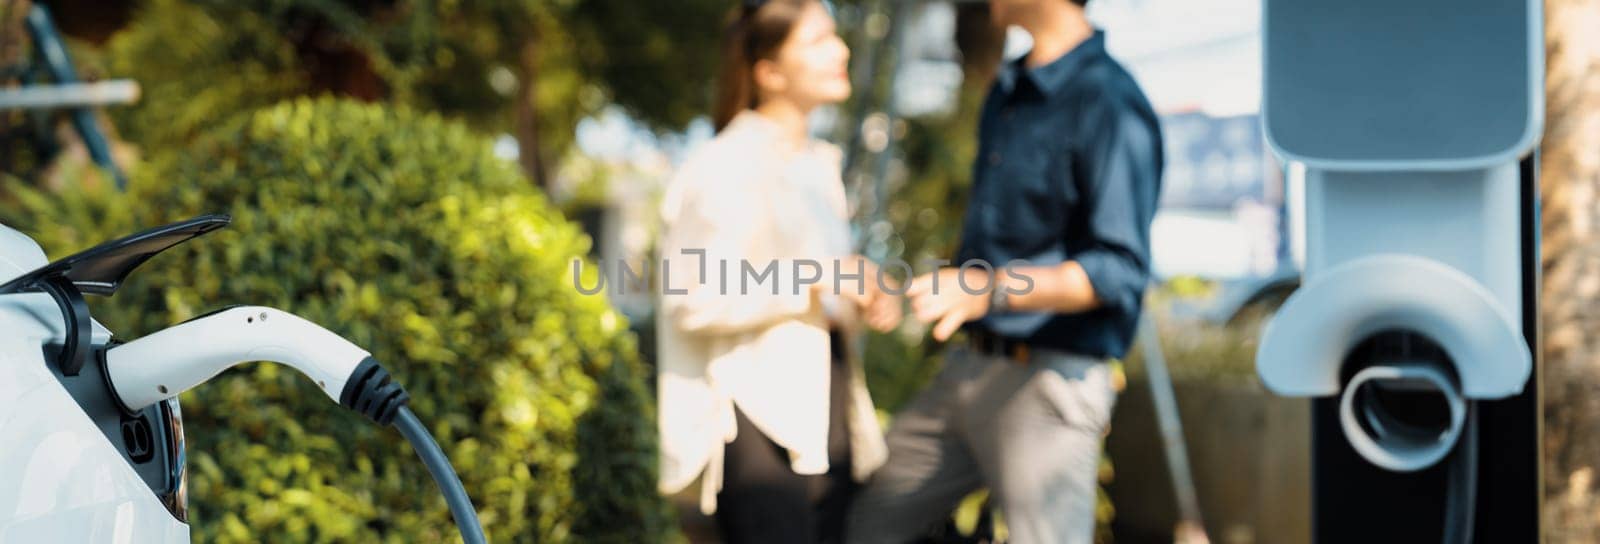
403	233
196	68
205	60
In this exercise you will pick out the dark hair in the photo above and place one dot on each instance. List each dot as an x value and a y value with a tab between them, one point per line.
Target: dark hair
755	31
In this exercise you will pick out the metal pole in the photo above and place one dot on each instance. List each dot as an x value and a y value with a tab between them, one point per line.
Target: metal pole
69	95
49	47
1190	529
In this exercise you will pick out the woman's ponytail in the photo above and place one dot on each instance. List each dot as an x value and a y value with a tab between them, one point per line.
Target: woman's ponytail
754	32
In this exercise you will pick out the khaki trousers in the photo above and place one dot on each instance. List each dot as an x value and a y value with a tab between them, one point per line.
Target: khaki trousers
1031	432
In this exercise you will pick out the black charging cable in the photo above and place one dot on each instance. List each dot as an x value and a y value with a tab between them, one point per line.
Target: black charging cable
1462	498
443	474
372	392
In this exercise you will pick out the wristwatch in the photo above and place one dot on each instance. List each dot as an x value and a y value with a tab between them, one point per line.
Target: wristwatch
998	301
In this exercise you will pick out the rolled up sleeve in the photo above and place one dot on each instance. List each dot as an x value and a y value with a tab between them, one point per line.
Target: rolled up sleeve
1122	166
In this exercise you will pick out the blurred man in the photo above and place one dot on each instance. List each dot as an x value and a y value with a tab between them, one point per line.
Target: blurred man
1067	179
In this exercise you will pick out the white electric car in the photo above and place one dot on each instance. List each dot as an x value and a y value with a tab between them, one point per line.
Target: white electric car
91	437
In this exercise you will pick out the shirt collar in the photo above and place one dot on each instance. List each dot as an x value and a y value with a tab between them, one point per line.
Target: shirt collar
750	125
1051	77
748	121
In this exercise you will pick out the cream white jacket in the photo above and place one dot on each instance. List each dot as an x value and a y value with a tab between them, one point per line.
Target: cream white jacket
735	327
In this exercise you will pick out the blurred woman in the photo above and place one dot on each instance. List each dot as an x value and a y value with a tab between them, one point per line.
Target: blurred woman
760	395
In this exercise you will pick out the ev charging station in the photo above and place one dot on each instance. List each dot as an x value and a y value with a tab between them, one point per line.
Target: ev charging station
1415	330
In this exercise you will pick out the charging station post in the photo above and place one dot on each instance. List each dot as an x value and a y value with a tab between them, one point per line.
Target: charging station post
1414	332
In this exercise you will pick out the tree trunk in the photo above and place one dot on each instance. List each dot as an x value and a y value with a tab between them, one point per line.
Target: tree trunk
981	43
13	31
1570	302
93	21
527	117
18	151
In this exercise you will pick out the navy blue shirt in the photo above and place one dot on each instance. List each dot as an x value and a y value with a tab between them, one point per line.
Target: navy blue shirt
1068	168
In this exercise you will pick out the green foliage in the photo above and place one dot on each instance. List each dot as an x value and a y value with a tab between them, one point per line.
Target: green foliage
926	212
656	59
403	233
478	61
204	60
195	68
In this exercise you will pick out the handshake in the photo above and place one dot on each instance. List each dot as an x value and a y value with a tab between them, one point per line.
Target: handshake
879	302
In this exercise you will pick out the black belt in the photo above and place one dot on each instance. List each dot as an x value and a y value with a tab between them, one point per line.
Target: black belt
989	343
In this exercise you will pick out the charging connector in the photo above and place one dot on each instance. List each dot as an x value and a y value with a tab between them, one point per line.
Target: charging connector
166	363
160	365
